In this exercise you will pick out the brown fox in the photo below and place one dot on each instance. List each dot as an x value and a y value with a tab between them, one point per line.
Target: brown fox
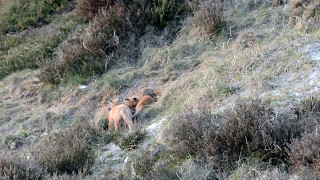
119	113
143	102
132	103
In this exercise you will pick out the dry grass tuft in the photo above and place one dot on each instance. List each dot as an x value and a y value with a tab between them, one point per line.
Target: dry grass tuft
305	15
192	169
208	16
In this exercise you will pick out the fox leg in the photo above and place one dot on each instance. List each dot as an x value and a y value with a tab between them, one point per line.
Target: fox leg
130	124
110	124
116	124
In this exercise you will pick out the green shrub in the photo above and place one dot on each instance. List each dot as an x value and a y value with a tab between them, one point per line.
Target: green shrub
25	14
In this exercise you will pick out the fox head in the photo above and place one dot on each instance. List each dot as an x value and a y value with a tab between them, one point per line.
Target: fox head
114	103
132	101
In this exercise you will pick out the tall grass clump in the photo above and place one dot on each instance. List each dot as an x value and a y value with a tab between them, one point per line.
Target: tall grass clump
68	151
251	128
208	15
24	14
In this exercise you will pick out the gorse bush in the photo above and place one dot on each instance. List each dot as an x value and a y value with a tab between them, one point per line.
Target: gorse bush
29	13
249	129
68	151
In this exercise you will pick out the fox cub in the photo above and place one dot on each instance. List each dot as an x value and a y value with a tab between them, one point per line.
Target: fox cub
119	112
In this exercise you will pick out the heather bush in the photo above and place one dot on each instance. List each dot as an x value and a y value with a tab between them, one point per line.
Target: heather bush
249	129
87	9
154	164
14	167
68	151
306	151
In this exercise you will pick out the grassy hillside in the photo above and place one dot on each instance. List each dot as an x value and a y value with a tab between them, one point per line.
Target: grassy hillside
237	85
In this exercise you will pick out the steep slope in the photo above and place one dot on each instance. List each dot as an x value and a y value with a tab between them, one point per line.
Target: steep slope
236	102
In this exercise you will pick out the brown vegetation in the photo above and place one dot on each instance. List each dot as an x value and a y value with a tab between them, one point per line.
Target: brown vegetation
68	151
87	9
306	151
112	37
208	16
13	167
250	129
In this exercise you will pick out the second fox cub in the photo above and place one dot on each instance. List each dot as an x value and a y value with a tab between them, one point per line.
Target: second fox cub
132	103
148	97
119	113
